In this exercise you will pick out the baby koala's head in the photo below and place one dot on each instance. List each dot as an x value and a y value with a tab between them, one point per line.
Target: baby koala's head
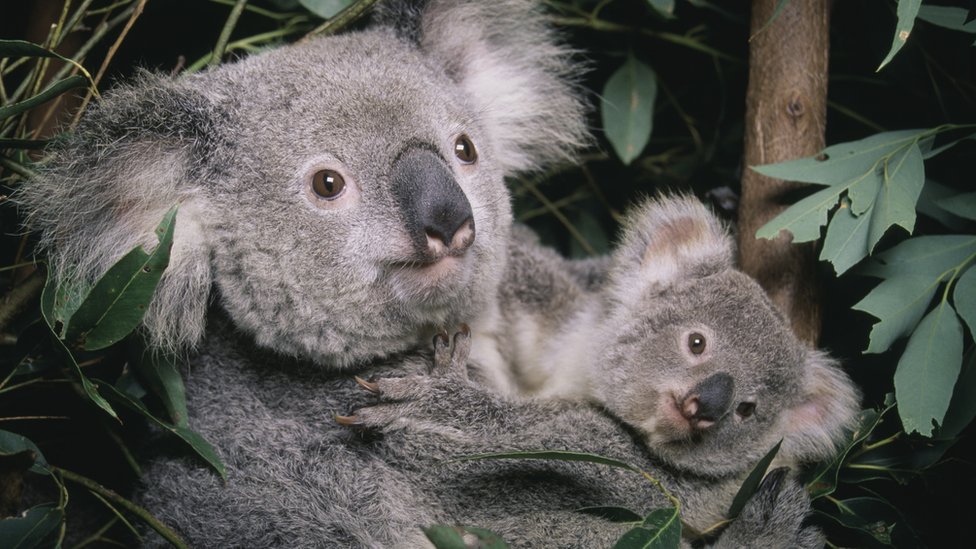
698	359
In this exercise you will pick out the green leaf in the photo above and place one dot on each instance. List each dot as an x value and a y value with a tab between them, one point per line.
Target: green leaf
59	302
962	205
612	514
162	375
558	455
326	9
626	107
948	17
899	304
49	93
844	163
752	482
928	204
192	438
824	480
962	407
664	7
904	176
846	242
964	298
871	516
31	529
928	370
907	10
452	537
12	443
661	529
922	255
804	218
116	304
90	389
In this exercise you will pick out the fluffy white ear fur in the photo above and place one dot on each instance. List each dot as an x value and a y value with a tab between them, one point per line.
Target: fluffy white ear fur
515	73
99	195
827	410
666	240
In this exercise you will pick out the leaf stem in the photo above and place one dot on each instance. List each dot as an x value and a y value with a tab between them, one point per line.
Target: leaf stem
345	17
110	495
221	47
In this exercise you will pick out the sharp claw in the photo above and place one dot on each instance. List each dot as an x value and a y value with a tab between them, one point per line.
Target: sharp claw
442	339
348	421
368	385
465	329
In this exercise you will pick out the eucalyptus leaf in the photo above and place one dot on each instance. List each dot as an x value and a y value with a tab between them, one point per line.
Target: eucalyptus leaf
898	303
846	242
116	304
452	537
60	301
804	218
823	482
626	107
192	438
931	256
12	443
326	9
928	204
661	529
964	298
868	515
31	529
161	374
948	17
664	7
907	10
49	93
962	407
90	389
613	514
962	205
928	370
752	482
904	176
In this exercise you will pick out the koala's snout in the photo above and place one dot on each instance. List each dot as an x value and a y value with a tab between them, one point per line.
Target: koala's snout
436	211
708	401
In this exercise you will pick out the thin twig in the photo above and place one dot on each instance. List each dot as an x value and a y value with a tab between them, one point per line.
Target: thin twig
19	298
108	58
137	510
345	17
221	47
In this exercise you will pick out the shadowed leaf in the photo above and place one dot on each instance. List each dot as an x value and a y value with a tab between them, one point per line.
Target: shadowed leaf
12	443
626	107
752	482
661	529
31	529
907	10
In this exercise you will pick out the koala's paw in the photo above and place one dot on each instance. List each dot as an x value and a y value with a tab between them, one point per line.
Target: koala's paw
773	517
437	401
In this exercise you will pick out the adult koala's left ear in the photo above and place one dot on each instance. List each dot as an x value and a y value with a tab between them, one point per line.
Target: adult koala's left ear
507	59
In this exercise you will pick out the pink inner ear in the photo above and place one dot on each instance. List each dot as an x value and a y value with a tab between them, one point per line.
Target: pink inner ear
673	239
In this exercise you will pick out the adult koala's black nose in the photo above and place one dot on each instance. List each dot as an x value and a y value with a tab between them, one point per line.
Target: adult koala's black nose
435	209
709	400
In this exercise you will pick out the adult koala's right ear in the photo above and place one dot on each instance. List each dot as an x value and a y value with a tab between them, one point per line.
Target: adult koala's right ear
103	188
520	81
665	241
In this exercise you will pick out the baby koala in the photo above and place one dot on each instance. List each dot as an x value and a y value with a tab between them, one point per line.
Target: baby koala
678	344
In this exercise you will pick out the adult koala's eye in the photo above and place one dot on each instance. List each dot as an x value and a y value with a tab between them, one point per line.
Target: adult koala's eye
464	150
328	184
745	409
696	343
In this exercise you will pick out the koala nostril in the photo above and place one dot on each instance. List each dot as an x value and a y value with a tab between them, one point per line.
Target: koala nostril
443	238
709	400
689	408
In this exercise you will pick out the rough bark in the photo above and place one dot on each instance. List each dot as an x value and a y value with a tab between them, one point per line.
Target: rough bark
786	105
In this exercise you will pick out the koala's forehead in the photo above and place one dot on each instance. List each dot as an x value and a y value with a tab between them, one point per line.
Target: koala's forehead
339	89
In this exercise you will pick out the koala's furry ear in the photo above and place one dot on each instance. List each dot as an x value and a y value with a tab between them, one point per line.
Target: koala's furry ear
667	240
827	410
103	188
518	77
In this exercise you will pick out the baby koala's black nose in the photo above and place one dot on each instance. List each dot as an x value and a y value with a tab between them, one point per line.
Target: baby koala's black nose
708	401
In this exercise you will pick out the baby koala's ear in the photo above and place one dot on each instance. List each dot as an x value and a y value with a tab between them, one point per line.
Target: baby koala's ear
826	412
670	239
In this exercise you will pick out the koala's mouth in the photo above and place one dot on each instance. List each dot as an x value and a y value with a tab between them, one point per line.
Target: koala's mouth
429	280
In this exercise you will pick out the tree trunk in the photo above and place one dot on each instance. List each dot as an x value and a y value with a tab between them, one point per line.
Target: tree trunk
786	108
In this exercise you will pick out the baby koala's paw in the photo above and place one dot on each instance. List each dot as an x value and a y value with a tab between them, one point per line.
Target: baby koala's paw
440	401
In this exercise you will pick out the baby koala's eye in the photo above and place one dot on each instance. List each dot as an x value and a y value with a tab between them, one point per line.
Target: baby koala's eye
464	150
328	184
696	343
745	409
